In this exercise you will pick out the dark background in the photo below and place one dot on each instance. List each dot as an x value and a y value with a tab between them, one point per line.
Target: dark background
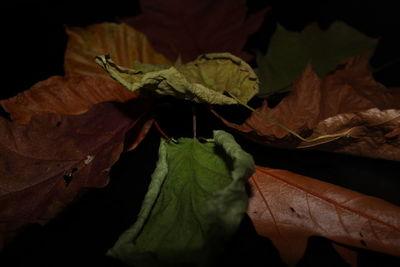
33	44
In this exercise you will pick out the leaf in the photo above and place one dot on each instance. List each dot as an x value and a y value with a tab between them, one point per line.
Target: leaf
48	162
289	208
347	101
203	80
64	95
187	29
290	52
123	43
194	203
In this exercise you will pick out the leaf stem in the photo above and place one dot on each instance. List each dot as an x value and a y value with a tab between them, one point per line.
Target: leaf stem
194	119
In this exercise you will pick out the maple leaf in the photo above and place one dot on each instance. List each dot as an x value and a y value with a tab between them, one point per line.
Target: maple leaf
347	102
187	29
290	52
203	80
47	162
289	208
195	201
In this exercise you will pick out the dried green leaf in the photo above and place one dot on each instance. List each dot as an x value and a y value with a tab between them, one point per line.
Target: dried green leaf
203	80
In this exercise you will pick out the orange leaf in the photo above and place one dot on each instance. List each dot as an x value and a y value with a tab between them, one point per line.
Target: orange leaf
64	95
289	208
124	44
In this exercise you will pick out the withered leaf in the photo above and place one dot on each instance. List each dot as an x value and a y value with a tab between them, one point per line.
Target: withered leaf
123	43
289	208
46	163
313	107
187	29
371	133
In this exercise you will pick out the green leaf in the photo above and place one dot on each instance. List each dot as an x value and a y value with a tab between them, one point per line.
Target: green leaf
289	53
203	81
194	203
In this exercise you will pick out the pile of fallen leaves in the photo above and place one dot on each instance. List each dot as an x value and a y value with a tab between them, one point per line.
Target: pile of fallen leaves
66	133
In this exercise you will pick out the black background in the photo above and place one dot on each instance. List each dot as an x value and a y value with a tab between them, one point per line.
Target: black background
33	44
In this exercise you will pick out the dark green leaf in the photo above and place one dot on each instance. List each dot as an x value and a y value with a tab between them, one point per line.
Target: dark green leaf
289	53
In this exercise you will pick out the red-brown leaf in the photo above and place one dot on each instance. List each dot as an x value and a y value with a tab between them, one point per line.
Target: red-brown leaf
188	28
289	208
46	163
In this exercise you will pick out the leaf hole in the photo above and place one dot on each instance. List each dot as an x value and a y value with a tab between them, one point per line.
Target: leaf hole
67	178
363	242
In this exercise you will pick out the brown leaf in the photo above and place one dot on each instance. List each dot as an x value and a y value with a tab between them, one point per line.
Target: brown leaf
64	95
46	163
349	89
189	28
124	44
289	208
